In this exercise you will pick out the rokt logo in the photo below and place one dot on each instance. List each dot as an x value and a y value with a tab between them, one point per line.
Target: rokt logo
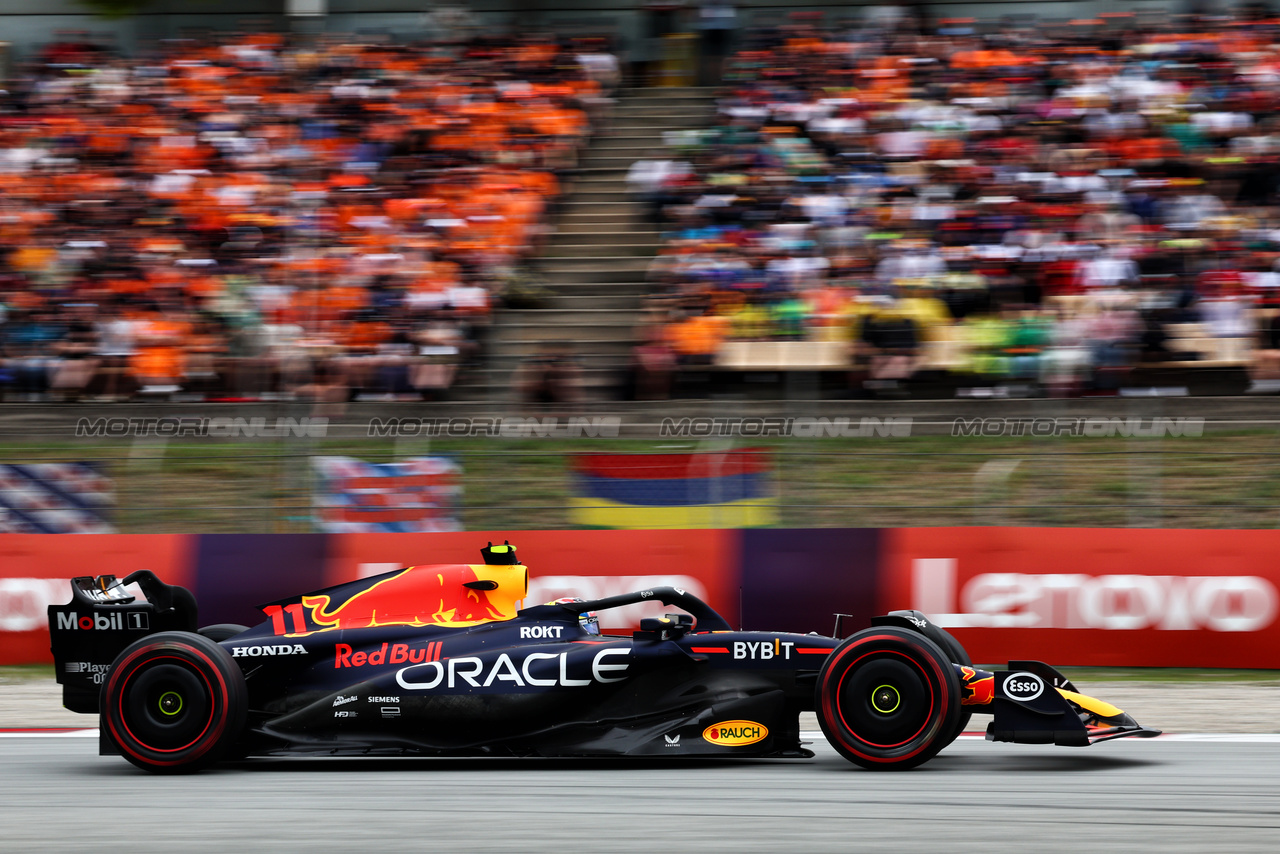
540	631
735	733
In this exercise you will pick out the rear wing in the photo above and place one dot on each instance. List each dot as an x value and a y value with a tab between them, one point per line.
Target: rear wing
102	618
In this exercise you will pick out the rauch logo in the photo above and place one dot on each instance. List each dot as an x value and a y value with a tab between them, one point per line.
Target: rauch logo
735	733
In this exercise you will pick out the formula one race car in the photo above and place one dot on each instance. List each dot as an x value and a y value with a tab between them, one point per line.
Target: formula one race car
439	660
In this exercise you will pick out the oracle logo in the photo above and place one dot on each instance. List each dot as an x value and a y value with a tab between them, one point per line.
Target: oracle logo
467	670
1218	603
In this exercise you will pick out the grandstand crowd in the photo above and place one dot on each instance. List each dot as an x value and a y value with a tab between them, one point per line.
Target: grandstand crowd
1050	208
250	217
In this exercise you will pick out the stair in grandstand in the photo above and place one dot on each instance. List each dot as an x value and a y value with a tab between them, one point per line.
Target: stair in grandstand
592	268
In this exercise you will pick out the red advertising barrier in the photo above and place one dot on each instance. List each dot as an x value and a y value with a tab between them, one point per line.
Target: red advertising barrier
36	569
232	574
587	564
1102	597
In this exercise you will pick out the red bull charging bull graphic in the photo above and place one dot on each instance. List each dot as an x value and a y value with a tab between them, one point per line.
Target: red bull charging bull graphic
450	595
977	687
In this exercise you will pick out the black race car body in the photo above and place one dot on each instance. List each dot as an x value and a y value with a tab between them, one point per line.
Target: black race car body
441	660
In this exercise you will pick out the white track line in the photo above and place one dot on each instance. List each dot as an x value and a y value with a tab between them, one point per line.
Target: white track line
1236	737
1227	737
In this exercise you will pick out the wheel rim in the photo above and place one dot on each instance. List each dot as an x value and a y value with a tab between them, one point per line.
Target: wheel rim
166	705
170	703
885	700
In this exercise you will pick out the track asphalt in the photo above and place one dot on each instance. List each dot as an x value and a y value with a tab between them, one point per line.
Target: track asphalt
1184	793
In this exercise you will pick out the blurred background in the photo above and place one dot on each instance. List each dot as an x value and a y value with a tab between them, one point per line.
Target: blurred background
298	217
331	202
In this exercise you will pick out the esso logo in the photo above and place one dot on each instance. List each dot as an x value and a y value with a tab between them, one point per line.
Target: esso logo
1023	686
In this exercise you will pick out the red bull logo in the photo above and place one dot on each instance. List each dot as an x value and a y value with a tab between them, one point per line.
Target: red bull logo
399	653
975	689
452	595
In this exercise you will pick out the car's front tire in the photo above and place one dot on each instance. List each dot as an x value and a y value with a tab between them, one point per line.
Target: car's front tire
174	702
956	652
888	699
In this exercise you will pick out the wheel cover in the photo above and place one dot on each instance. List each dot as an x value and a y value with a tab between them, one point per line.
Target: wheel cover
170	703
885	699
166	704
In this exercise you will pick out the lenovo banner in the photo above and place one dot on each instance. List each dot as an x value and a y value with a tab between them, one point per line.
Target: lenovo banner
1103	597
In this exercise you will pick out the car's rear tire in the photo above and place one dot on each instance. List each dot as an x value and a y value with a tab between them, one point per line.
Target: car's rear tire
888	698
956	652
174	702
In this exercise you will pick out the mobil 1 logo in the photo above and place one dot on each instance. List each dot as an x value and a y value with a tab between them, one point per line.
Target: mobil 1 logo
111	621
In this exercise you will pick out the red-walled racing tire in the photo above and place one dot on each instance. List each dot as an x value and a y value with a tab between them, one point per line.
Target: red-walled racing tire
888	699
957	653
174	702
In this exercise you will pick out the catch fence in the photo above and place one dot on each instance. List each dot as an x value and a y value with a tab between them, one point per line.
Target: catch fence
1134	474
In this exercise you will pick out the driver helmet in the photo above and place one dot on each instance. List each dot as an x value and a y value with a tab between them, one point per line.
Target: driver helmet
589	621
